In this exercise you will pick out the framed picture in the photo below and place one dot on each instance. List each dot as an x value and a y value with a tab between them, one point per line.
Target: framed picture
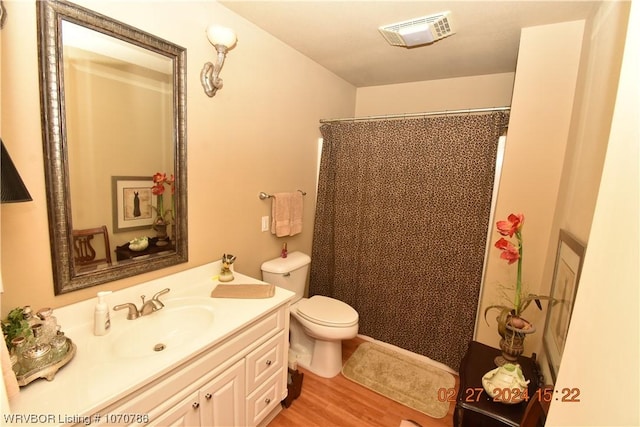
133	203
566	276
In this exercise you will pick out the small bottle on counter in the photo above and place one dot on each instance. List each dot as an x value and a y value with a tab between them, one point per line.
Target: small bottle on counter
59	346
36	357
101	318
49	323
27	313
38	334
284	252
39	355
18	346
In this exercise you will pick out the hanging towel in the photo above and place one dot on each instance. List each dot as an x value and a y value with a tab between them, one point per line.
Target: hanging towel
296	213
281	214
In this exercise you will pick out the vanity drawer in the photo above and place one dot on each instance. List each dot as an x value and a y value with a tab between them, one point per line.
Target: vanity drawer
264	400
264	361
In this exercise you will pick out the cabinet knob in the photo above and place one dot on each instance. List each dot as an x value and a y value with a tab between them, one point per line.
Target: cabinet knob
268	362
196	405
267	401
208	396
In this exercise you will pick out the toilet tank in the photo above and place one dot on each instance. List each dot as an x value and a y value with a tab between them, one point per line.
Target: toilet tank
289	273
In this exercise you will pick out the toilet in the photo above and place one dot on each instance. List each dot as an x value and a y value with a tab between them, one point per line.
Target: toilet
318	324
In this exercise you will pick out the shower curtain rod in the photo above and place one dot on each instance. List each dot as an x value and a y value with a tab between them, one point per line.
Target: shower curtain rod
414	115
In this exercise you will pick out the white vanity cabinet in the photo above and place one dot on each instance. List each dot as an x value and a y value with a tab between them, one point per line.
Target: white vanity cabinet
265	367
184	414
222	399
219	403
236	382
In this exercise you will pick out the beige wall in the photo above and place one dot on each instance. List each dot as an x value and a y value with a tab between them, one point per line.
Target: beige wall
544	90
602	350
591	123
589	132
562	188
259	133
493	90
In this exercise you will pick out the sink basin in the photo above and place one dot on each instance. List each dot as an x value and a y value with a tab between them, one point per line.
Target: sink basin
180	323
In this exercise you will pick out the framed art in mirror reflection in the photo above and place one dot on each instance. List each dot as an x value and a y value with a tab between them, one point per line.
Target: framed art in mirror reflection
133	203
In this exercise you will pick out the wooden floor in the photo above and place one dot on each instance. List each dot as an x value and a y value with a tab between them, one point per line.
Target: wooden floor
340	402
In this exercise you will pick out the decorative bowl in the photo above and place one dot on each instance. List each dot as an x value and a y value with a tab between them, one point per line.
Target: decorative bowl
139	244
506	384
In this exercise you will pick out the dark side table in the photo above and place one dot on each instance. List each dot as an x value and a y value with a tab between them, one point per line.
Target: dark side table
124	253
474	407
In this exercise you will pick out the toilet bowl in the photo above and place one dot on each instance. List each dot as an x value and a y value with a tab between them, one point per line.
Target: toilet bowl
318	324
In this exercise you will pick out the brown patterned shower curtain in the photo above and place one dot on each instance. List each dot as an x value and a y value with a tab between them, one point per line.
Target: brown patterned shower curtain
401	225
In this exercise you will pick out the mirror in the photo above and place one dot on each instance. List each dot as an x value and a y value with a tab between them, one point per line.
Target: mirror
113	116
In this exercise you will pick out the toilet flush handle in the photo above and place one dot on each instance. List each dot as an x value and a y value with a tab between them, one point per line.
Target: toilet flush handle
287	274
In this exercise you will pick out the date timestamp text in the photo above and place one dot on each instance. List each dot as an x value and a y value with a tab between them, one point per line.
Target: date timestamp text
509	395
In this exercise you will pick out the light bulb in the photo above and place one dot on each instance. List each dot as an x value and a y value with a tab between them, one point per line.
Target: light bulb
221	36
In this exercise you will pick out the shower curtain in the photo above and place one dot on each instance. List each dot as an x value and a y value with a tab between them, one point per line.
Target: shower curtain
401	225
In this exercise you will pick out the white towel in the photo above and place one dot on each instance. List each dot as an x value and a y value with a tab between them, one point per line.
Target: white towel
10	383
296	213
281	214
11	387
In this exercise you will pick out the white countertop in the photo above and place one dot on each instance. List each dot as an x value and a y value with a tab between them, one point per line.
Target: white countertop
96	378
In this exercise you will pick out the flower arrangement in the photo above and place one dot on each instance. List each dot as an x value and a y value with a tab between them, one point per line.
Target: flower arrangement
512	253
158	189
15	326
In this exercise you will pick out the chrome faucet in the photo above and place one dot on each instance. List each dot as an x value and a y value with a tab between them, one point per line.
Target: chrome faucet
133	310
148	307
154	304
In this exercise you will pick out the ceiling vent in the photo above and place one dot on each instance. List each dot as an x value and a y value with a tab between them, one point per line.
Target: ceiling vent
419	31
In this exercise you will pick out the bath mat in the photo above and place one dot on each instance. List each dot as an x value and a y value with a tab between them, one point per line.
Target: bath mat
399	377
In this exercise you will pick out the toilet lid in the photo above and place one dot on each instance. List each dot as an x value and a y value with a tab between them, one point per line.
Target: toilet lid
327	311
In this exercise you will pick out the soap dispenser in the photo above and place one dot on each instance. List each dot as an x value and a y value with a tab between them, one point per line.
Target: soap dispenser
102	320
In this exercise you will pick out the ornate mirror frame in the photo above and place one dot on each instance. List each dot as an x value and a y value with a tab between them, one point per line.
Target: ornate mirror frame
50	15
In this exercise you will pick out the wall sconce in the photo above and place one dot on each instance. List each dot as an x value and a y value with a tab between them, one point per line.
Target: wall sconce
222	39
13	188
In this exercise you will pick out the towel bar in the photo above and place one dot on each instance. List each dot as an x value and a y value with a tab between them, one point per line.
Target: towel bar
264	195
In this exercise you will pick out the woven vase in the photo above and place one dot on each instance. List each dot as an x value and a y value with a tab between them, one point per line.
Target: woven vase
512	343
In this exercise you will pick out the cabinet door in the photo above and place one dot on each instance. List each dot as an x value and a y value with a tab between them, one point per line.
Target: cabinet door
184	414
222	400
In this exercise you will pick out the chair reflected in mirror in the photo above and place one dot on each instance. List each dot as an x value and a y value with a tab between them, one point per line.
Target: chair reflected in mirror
86	257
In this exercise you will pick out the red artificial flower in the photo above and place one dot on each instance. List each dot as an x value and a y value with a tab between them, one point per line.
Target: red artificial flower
158	189
159	178
171	180
509	251
512	225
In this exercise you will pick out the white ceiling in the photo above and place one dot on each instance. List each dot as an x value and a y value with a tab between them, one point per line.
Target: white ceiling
343	36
